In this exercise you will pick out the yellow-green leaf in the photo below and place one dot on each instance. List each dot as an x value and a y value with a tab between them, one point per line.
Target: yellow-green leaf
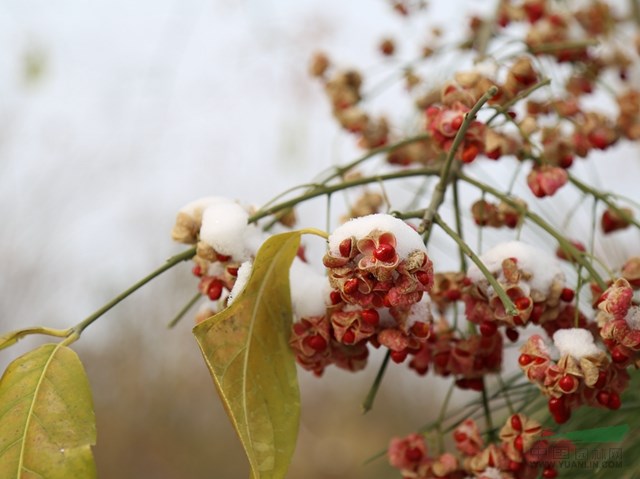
47	424
246	349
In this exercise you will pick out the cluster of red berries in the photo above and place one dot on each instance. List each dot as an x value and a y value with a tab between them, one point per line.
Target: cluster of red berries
522	453
369	272
316	347
483	306
443	123
217	272
619	319
498	215
376	298
570	381
467	359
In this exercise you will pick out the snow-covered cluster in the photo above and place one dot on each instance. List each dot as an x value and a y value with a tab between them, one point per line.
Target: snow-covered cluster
573	372
378	260
532	278
225	244
378	272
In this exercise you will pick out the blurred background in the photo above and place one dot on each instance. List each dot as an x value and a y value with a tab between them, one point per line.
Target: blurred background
114	114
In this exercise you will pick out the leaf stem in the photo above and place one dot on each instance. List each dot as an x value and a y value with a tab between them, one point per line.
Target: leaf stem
442	414
77	330
458	213
438	195
487	412
563	46
506	301
367	404
185	309
505	394
604	197
502	109
537	219
328	189
13	337
341	170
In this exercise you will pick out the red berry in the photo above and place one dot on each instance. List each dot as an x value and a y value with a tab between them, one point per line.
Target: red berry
566	161
420	329
556	405
345	248
603	398
399	356
611	221
549	473
567	383
413	454
523	303
449	89
599	139
602	380
215	290
475	384
493	154
567	295
232	271
317	343
424	277
459	436
525	360
469	154
562	418
384	252
536	312
518	443
351	286
370	316
335	297
618	356
299	328
516	423
348	337
515	466
534	11
197	270
223	258
441	359
614	401
512	334
456	123
488	328
452	294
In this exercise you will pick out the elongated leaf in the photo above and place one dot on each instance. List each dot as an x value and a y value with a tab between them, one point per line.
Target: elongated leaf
247	352
47	424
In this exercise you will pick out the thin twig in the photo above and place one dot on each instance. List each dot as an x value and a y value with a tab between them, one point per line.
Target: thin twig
184	310
506	301
367	404
438	195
